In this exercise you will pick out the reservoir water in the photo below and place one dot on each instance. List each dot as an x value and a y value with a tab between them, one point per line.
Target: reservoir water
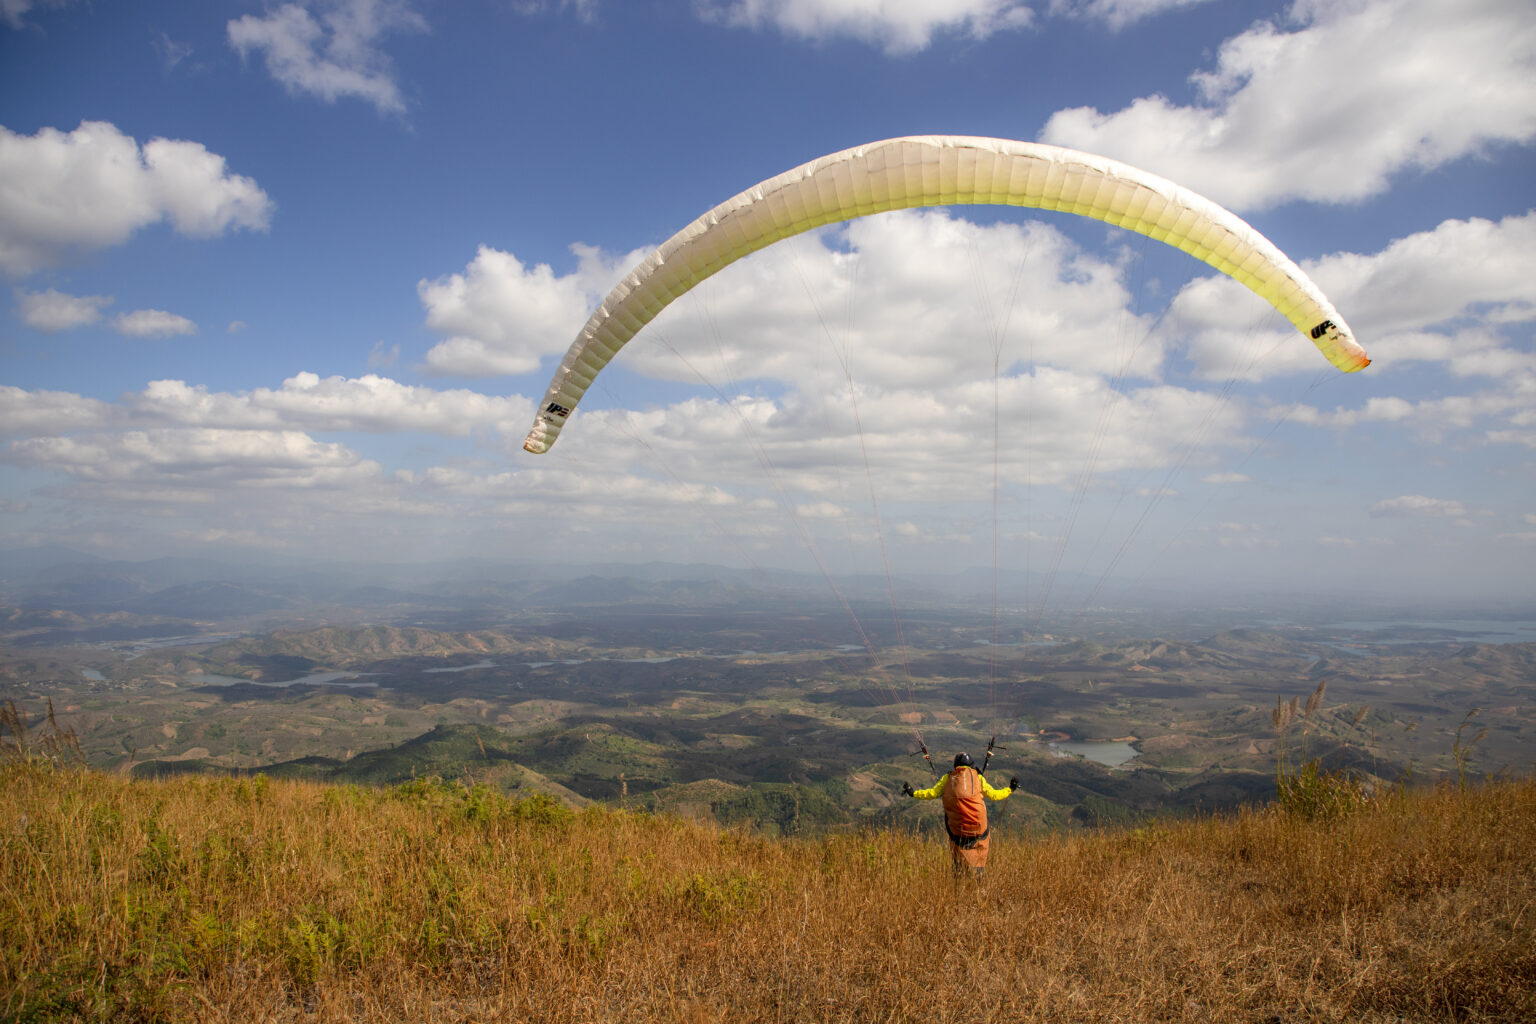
318	679
1111	755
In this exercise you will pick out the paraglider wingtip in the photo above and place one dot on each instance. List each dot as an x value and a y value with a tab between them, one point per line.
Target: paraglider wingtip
537	446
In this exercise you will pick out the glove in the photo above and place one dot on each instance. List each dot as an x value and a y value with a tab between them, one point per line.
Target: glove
906	787
1013	784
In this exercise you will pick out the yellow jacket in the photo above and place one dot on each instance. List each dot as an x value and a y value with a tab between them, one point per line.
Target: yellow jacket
986	789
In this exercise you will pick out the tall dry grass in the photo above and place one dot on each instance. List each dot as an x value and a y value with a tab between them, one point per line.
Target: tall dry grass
222	900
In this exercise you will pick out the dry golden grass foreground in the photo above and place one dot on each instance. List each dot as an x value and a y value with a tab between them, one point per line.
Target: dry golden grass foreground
201	899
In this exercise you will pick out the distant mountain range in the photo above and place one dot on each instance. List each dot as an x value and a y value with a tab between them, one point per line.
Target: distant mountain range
266	592
204	589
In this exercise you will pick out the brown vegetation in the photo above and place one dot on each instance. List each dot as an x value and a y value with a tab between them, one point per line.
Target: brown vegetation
202	899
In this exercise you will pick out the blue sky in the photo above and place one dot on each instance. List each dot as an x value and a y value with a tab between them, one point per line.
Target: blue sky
289	278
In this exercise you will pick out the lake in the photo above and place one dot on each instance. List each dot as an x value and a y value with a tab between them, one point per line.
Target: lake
318	679
1112	754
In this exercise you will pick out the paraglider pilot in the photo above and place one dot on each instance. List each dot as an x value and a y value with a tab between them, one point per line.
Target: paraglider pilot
965	812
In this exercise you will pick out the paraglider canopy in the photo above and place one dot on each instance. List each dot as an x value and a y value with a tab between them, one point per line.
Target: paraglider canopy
938	170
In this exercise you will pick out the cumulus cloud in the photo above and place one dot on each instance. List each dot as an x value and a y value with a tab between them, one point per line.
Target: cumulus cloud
938	300
94	187
502	316
54	311
333	55
205	457
31	413
1499	412
152	323
1417	506
1447	295
1461	272
913	337
307	401
304	402
1459	298
1286	114
898	26
911	334
908	340
915	441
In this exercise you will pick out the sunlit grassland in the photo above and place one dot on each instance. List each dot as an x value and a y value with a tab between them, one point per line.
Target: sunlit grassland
206	899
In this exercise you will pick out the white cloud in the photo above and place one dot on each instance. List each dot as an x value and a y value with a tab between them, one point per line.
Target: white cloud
379	356
586	498
1416	506
897	26
1446	295
197	457
916	441
94	187
501	316
306	401
1287	113
585	10
14	10
31	413
1437	418
937	299
820	510
333	56
170	51
1118	14
152	323
190	185
1226	478
1527	438
1463	271
917	308
54	311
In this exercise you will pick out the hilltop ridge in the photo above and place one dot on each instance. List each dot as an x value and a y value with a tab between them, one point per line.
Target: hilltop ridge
199	899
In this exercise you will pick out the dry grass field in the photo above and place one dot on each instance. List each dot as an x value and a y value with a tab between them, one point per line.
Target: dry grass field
200	899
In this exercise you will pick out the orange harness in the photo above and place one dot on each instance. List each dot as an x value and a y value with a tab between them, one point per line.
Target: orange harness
965	810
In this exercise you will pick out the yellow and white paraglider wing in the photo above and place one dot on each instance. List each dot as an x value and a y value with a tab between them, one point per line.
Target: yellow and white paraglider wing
938	170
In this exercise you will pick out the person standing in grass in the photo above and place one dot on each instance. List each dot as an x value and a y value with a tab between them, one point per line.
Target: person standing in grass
965	813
